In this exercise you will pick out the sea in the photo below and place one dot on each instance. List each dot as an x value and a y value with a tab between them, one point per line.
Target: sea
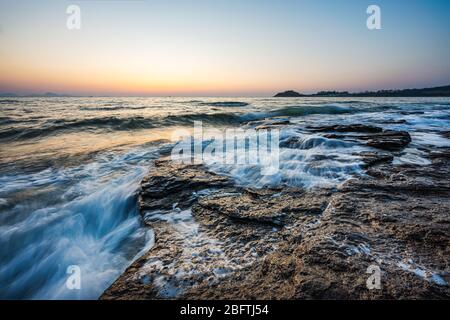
70	170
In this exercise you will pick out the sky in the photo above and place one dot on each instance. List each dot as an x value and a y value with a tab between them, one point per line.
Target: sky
221	47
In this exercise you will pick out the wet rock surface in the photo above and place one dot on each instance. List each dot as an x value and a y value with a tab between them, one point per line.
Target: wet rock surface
170	184
217	240
372	136
389	140
270	123
371	159
398	221
348	128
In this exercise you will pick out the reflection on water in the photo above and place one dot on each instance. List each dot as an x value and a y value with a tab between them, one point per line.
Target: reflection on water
74	147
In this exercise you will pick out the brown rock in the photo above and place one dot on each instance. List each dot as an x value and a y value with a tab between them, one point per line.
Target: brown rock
390	140
238	243
348	128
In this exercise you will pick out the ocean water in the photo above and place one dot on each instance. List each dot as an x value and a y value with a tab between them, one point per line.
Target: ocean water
70	169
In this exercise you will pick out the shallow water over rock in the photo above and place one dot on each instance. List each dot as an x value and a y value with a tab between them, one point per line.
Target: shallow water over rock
70	173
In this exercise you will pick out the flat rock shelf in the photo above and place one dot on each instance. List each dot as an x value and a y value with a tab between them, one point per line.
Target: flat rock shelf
215	239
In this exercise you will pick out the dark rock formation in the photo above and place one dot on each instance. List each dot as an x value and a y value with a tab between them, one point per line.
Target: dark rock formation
446	134
372	136
348	128
389	140
288	94
170	184
371	159
265	210
274	123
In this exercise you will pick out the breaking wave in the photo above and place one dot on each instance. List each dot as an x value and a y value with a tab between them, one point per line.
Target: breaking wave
225	104
84	216
116	123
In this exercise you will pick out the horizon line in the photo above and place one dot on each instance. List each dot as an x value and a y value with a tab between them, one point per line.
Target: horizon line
49	94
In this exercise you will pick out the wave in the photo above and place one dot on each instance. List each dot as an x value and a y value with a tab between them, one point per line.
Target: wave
9	101
84	216
9	120
303	111
225	104
313	162
68	125
311	142
117	124
111	108
139	122
216	103
310	110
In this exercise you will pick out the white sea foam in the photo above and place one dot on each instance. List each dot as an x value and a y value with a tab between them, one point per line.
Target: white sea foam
316	161
56	213
94	224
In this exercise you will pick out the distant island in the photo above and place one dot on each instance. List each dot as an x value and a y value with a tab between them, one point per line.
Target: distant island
443	91
289	94
425	92
35	95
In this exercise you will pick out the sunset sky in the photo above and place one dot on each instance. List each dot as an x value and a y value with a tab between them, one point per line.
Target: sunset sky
221	47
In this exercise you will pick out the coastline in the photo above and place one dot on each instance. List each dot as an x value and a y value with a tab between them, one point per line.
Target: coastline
215	222
297	243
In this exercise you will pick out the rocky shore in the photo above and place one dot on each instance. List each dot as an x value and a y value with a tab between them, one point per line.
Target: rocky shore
217	240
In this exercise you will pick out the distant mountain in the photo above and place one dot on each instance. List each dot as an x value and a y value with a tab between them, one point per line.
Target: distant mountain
443	91
47	95
35	95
